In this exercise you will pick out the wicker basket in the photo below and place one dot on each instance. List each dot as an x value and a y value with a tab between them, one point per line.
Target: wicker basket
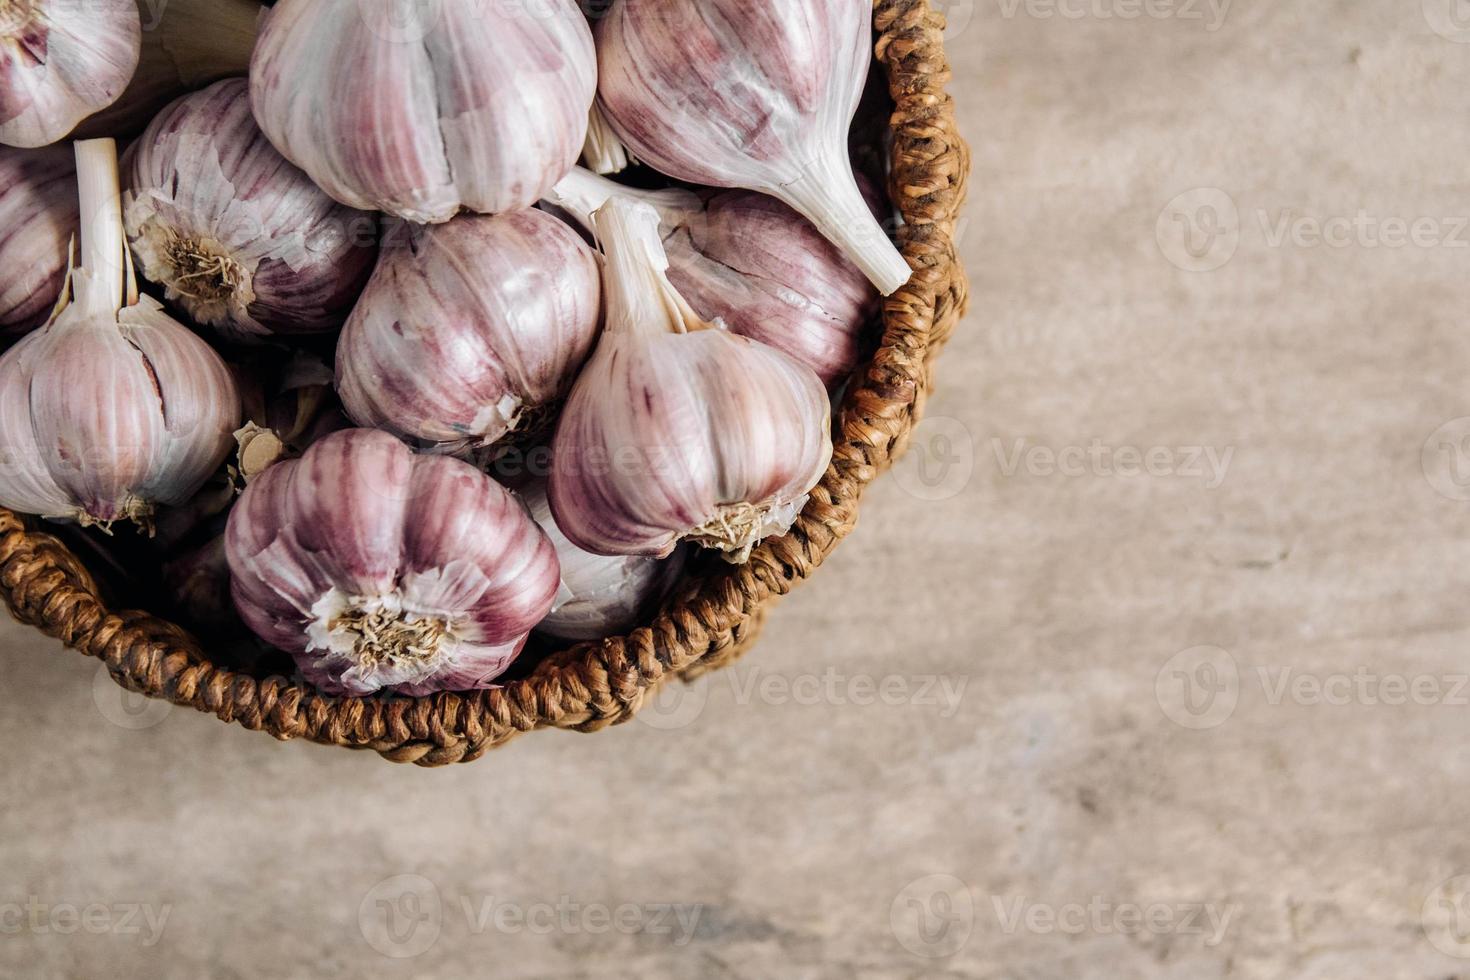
711	622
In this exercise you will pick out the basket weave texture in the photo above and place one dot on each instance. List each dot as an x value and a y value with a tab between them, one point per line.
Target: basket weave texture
592	685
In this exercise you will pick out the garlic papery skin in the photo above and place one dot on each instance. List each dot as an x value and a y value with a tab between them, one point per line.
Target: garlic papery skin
677	429
599	595
379	569
747	259
38	212
238	236
61	61
110	410
423	109
768	109
470	330
603	153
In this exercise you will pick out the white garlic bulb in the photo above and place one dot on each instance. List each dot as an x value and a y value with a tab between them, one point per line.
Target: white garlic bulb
599	595
424	109
38	209
677	429
760	96
235	234
61	61
113	408
380	569
470	330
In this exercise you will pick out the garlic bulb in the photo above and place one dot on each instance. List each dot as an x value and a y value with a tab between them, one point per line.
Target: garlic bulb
111	409
61	61
768	108
470	329
420	110
677	429
235	234
599	595
379	569
751	261
38	207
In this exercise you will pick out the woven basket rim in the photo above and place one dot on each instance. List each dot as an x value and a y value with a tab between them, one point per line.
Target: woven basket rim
589	686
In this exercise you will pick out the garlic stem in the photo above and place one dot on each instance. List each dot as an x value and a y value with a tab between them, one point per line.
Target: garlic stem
101	281
827	193
581	192
260	449
638	295
603	153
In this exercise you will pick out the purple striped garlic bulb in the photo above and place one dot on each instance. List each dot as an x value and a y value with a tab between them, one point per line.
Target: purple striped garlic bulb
112	409
38	209
424	109
678	430
600	595
236	235
747	259
61	61
768	108
379	569
470	330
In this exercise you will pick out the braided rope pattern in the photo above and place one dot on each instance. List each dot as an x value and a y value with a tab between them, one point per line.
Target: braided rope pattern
592	685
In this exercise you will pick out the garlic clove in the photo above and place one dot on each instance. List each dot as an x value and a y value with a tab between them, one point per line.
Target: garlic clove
676	428
350	498
446	553
195	418
26	483
236	235
61	61
38	207
766	108
430	108
470	330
